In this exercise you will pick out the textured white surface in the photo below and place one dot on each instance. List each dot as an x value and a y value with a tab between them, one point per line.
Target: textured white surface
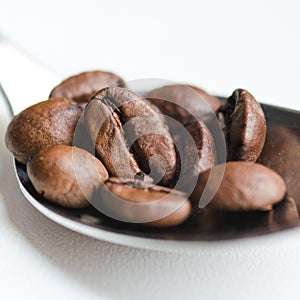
217	44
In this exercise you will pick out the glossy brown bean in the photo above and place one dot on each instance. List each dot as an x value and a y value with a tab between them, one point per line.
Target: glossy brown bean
141	202
245	186
116	118
197	153
281	153
244	126
49	122
80	87
66	175
180	101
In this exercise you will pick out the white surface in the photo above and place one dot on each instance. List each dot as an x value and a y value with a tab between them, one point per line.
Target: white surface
18	73
219	45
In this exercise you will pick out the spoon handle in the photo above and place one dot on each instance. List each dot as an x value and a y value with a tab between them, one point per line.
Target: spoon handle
23	81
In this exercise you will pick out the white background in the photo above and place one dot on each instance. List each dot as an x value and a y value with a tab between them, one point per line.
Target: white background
218	45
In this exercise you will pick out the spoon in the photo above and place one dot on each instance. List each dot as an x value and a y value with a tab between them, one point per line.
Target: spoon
24	82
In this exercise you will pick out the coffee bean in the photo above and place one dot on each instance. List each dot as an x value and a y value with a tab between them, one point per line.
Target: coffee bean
187	105
244	186
180	101
116	118
80	87
66	175
50	122
284	214
137	201
281	153
196	148
244	126
204	144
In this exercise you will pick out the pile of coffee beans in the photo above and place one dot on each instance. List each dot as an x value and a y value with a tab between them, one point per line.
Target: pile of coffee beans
154	159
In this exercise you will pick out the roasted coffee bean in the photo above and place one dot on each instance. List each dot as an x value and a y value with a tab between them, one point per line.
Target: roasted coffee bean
245	186
185	104
213	101
244	126
66	175
116	118
196	153
50	122
205	147
284	214
107	134
180	101
81	87
281	153
140	202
